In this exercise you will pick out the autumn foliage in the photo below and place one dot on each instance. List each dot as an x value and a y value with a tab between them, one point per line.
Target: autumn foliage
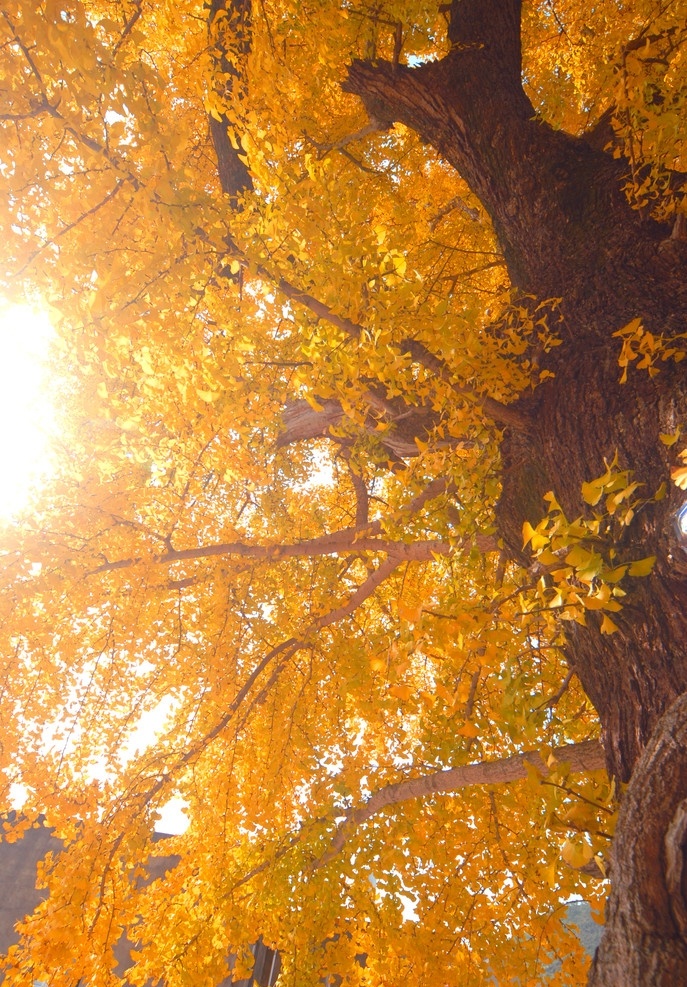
268	574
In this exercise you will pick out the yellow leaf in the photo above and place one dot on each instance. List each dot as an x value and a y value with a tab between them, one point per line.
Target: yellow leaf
527	533
670	438
408	613
578	557
679	477
576	853
468	730
615	575
533	535
400	265
549	874
313	402
444	693
598	909
601	864
633	328
608	626
643	566
539	541
592	492
208	396
402	692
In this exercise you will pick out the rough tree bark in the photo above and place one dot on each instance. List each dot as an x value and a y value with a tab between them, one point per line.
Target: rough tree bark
645	941
568	232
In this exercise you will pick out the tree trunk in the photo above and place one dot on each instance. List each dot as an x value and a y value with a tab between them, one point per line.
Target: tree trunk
645	942
568	232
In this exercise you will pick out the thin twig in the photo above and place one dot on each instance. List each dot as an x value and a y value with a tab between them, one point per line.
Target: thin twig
549	703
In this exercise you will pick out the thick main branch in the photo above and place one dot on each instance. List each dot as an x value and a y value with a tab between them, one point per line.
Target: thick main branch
554	199
344	542
586	756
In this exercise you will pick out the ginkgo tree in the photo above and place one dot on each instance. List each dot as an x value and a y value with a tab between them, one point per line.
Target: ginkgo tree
370	488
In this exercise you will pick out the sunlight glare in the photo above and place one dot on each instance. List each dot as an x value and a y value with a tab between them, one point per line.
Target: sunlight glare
26	413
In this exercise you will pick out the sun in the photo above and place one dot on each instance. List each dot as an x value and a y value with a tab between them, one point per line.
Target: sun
26	412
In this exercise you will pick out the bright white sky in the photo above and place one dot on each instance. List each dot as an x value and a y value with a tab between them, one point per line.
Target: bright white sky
26	412
27	421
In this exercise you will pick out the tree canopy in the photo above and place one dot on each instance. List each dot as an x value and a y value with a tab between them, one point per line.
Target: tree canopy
362	531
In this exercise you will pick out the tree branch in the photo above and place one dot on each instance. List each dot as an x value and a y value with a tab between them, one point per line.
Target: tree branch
456	202
471	107
366	589
586	756
504	413
302	421
285	651
230	32
317	307
355	539
129	26
362	497
51	241
347	540
490	26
